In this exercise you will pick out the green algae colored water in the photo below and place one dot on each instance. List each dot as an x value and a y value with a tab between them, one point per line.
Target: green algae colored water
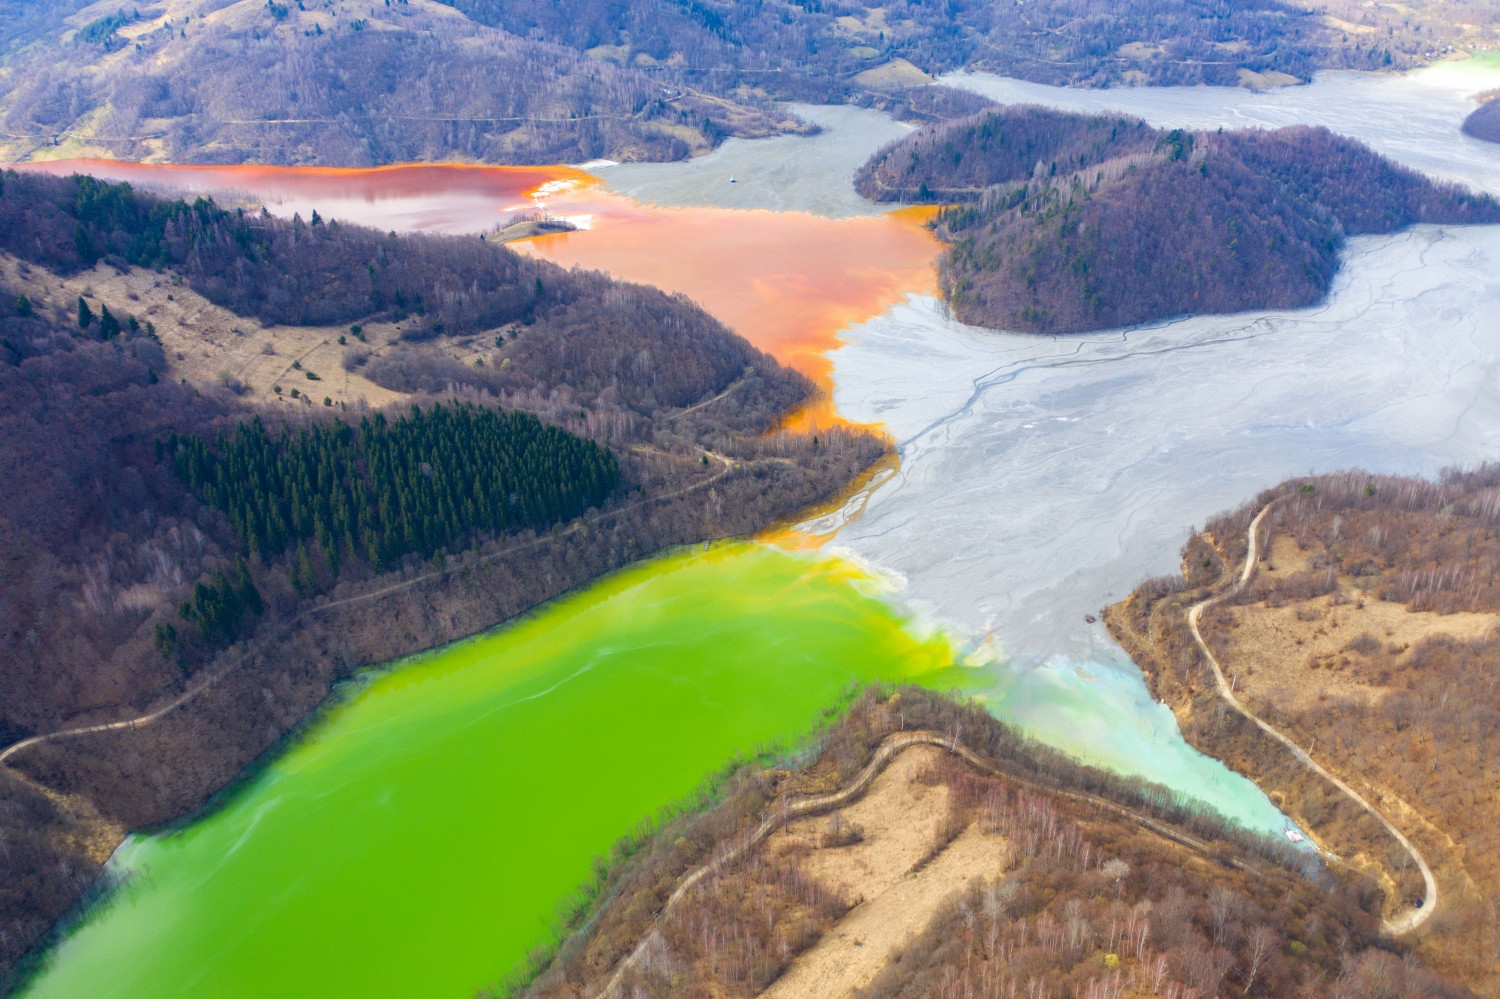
416	841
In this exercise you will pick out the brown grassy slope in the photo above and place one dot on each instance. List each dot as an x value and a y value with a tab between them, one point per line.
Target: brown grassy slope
537	80
347	83
100	541
1367	635
1067	222
339	84
1042	887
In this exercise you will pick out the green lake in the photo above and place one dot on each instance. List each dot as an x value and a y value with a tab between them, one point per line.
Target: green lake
416	840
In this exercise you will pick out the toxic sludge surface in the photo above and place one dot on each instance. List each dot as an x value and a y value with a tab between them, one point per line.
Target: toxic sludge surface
1038	479
418	839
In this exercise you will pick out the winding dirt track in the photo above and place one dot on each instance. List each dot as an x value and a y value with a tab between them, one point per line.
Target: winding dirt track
891	747
1395	927
726	465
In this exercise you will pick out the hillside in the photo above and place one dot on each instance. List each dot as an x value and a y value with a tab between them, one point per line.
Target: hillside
1484	123
335	82
1366	635
1066	223
826	50
172	534
339	84
888	864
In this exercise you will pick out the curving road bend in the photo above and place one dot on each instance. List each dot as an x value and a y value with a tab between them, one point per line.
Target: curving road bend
1395	927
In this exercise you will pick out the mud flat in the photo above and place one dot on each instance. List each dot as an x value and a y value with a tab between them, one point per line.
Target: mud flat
1042	478
789	173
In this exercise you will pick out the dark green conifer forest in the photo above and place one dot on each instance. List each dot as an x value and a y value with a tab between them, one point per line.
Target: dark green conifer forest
384	489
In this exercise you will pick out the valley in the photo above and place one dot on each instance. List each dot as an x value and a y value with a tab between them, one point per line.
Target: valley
891	497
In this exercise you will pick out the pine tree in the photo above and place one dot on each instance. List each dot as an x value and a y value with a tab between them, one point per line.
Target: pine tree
424	482
85	314
109	326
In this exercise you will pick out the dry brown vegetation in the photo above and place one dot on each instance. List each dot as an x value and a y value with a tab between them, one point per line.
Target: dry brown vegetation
966	880
338	83
100	540
1367	636
837	50
1065	222
346	83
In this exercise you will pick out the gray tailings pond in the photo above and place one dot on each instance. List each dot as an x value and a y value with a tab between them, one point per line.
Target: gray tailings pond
1042	478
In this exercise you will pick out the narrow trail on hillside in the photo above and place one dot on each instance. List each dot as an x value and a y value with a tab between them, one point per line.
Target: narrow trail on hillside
726	465
1395	927
892	746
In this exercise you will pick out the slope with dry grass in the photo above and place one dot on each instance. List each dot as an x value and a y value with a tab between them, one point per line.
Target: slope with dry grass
999	869
102	542
1367	636
338	83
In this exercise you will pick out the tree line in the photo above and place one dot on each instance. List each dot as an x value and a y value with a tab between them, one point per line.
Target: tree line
118	583
384	489
645	349
1417	712
812	51
536	82
391	84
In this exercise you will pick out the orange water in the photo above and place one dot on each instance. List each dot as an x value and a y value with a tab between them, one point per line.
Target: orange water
420	197
786	281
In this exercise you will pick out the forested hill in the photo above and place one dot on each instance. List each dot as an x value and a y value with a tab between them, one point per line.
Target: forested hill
162	536
1484	123
1062	223
1366	634
346	83
816	50
315	273
339	84
1026	875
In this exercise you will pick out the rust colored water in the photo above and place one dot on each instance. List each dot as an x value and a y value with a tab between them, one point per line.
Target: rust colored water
422	197
786	281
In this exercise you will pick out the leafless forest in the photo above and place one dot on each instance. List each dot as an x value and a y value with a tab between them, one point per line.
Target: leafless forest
1089	904
346	85
340	83
1065	223
1484	123
1420	719
101	541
